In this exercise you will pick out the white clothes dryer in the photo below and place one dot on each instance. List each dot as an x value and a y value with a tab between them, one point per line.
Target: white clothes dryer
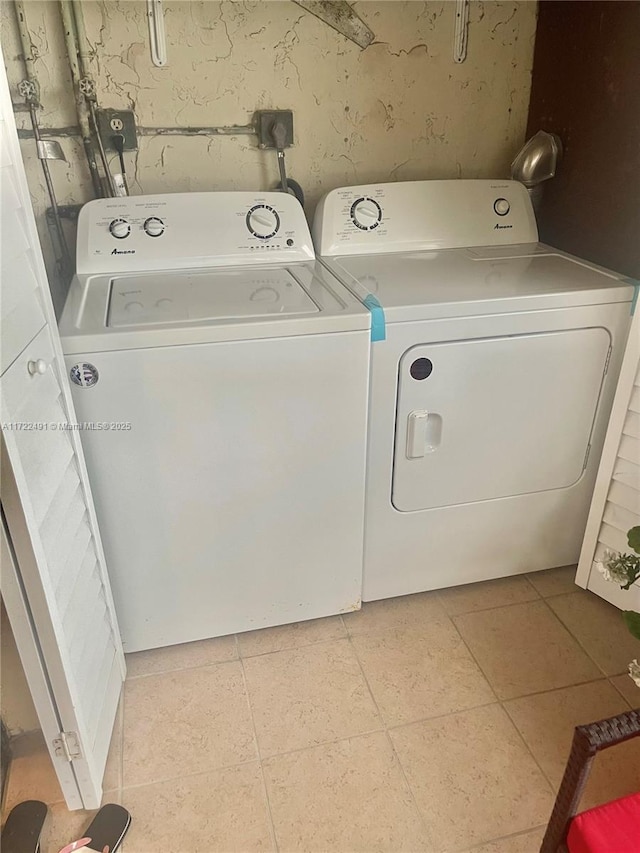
493	365
220	379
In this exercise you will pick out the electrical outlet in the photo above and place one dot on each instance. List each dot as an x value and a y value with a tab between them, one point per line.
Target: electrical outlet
264	121
112	122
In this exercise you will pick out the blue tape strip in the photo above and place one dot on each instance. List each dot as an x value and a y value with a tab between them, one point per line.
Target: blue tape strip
636	292
378	332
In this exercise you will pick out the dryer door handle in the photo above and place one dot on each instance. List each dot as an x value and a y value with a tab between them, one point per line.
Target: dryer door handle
424	433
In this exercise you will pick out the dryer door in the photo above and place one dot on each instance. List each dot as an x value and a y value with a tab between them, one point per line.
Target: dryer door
493	417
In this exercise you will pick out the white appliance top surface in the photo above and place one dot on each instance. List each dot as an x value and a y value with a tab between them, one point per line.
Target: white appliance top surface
161	298
491	279
171	308
183	268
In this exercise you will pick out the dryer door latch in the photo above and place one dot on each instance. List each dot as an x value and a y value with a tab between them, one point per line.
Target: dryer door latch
424	433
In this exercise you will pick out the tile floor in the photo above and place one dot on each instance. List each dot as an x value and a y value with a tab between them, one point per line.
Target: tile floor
436	722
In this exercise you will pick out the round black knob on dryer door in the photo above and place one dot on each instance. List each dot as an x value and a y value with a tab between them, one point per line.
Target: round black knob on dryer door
421	368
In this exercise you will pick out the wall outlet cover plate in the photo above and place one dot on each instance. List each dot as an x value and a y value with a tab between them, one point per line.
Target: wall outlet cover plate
111	122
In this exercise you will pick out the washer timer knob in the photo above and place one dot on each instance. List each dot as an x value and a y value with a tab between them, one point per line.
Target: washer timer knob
119	229
501	206
366	214
154	226
263	221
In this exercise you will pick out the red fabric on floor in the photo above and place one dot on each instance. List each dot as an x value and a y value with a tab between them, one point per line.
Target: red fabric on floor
611	828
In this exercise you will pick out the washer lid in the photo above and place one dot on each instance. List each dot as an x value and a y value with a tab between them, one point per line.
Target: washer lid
180	297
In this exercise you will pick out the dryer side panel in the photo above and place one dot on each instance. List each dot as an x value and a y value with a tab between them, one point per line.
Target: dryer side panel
495	417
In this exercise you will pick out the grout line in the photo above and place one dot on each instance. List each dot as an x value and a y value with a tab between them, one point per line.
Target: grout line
391	744
298	645
501	703
205	772
519	834
572	635
265	792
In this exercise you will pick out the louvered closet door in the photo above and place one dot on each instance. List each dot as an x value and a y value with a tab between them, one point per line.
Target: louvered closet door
616	500
55	583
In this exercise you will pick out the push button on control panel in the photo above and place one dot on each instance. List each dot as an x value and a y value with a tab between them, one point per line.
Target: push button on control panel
501	206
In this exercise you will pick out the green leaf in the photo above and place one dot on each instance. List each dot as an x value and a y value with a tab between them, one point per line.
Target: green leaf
633	538
632	620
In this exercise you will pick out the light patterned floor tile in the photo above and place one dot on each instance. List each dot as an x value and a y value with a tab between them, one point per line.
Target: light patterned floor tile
290	636
414	676
185	722
113	770
600	629
524	649
472	777
346	797
554	581
628	688
547	722
183	656
407	613
302	697
31	774
486	594
224	811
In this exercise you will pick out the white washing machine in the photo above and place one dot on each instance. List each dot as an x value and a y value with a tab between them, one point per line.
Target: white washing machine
493	365
220	378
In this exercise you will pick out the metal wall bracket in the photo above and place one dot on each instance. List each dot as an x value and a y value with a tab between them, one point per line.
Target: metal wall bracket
339	15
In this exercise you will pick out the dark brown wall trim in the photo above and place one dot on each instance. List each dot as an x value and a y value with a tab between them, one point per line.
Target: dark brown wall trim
586	88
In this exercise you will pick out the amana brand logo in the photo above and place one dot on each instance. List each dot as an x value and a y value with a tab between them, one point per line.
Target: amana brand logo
498	227
123	252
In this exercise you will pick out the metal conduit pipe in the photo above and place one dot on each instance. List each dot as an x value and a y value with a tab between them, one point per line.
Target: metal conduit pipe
84	61
68	26
31	96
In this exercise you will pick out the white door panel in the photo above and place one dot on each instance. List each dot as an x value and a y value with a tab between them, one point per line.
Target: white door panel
54	581
473	414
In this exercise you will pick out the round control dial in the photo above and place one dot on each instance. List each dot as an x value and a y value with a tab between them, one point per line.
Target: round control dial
119	229
263	221
366	214
154	226
501	206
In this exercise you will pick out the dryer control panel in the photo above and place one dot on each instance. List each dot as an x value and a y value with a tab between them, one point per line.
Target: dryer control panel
418	215
188	230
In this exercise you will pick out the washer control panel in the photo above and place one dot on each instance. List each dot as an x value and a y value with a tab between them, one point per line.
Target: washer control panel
188	230
417	215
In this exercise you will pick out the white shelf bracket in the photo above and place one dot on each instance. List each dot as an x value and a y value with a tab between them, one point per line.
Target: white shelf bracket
461	30
157	37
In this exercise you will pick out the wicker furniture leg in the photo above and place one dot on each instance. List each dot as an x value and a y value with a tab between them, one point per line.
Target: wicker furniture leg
587	741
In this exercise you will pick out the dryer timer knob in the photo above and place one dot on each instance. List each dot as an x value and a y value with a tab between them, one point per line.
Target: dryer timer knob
119	228
366	214
501	206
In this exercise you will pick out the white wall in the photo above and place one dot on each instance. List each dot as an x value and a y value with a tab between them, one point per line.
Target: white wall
401	109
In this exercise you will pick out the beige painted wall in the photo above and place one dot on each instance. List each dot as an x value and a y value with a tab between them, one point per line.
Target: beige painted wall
401	109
